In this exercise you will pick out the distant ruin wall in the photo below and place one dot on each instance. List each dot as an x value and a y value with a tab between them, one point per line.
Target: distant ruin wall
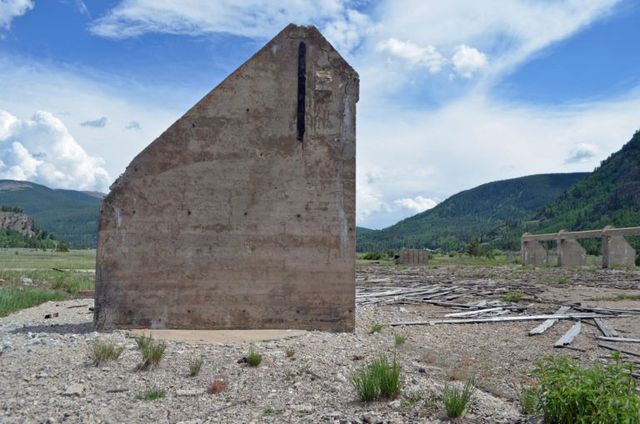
412	257
242	213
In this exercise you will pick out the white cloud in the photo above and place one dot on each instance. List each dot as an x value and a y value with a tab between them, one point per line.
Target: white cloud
468	60
427	56
581	153
247	18
42	150
10	9
95	123
417	204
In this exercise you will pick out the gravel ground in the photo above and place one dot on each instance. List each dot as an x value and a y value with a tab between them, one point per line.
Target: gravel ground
45	375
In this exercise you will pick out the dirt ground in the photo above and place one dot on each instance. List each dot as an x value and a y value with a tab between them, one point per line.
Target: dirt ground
45	375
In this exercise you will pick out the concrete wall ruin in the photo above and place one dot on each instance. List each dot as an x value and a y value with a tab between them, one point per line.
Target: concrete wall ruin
242	213
412	257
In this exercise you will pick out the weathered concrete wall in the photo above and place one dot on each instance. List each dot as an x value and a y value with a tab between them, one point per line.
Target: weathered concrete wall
534	253
571	253
242	214
412	257
616	251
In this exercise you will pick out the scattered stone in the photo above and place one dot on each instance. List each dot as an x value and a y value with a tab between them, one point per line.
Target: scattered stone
53	315
74	390
371	418
26	280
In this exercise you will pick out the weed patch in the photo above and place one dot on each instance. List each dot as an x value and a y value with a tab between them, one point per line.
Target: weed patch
376	328
513	296
195	366
569	393
151	351
103	351
456	399
399	339
152	394
380	379
253	358
217	386
13	299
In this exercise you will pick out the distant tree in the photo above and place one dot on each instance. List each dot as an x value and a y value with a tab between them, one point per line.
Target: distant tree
63	246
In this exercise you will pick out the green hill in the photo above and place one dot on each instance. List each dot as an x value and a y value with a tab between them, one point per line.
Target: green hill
471	214
609	196
69	215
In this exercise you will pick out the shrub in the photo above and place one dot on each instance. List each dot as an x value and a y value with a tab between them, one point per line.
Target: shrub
290	352
195	366
63	246
529	400
217	386
151	352
569	393
513	296
379	379
456	399
152	394
372	256
102	351
253	358
474	248
376	328
400	339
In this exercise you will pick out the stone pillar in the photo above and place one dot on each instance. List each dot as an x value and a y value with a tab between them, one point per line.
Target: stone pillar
570	252
616	251
534	253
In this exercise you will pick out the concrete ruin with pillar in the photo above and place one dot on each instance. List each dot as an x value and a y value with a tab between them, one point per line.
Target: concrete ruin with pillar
616	251
241	214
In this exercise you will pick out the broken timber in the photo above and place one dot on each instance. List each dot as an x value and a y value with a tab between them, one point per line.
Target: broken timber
501	319
618	349
605	327
618	339
569	336
549	323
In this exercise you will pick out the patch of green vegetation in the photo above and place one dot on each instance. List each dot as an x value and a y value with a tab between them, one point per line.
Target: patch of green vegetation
376	328
399	339
569	393
456	399
13	298
12	259
528	398
513	296
290	352
152	394
372	256
102	351
268	410
151	351
380	379
195	366
253	357
72	283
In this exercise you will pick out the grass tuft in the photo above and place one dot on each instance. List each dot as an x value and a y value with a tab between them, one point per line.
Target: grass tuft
379	379
102	351
376	328
217	386
151	351
253	358
513	296
399	339
290	352
195	366
569	393
529	400
456	399
152	394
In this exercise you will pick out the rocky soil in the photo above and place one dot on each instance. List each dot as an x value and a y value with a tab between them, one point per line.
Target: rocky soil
45	374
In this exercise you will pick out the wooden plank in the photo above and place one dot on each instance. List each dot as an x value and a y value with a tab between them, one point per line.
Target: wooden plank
605	327
621	350
569	336
472	313
501	319
618	339
549	323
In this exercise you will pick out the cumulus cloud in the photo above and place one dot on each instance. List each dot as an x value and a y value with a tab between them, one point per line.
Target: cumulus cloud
427	56
581	153
42	150
417	204
95	123
133	125
10	9
246	18
468	60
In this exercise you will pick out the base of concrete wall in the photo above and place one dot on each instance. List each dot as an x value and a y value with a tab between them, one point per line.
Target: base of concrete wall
617	252
534	253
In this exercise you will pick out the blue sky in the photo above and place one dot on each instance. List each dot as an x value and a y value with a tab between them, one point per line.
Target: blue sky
453	94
